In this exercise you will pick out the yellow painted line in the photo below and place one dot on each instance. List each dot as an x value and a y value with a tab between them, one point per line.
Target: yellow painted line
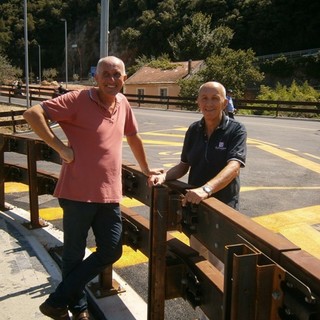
258	142
161	143
169	165
169	153
280	220
308	164
162	134
296	226
165	130
130	257
165	143
305	237
181	129
170	158
11	187
130	203
51	213
181	236
244	189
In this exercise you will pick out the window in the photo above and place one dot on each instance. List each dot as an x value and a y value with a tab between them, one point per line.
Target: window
163	94
140	93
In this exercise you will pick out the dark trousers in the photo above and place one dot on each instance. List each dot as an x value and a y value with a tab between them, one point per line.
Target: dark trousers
78	217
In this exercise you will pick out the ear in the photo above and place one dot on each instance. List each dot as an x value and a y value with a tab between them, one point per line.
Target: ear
125	77
225	103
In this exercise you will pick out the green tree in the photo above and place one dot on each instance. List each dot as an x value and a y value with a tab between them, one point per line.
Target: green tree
235	69
197	40
50	74
294	92
8	73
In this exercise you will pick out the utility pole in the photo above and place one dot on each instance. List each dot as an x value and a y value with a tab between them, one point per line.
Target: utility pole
39	47
26	63
66	47
104	29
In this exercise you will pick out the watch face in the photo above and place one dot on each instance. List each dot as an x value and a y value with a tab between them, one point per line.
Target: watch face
207	189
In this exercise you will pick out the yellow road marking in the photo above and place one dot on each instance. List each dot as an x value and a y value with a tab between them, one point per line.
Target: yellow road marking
11	187
166	143
296	226
130	258
169	165
130	203
169	153
305	163
304	236
161	143
51	213
163	134
181	129
258	142
181	236
244	189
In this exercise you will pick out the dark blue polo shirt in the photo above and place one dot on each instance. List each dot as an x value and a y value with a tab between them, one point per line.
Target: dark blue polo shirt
207	157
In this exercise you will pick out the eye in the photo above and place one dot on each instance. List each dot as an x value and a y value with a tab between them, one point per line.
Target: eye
117	75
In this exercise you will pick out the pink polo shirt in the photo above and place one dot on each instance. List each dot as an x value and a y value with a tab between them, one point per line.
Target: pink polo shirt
96	139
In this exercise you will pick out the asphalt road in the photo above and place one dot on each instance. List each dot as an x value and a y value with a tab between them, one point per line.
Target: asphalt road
281	182
283	161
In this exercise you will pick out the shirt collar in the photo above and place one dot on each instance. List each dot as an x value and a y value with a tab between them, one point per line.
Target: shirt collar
93	94
223	124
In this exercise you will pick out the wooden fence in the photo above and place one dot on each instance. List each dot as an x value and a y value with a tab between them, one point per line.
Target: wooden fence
256	107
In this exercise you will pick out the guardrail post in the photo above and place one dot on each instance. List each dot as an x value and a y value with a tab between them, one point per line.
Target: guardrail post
2	177
157	256
107	286
35	222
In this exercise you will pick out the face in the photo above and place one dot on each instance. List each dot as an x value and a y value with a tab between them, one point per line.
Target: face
110	76
211	100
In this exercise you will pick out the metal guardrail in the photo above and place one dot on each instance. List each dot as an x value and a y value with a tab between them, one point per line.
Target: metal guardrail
258	106
264	275
36	93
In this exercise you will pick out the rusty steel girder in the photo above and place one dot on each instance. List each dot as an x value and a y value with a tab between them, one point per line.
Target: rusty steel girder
263	275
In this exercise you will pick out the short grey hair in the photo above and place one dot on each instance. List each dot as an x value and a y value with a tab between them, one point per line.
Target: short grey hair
109	59
215	84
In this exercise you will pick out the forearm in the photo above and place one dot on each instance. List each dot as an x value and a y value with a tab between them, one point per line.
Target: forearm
225	176
38	121
138	151
176	172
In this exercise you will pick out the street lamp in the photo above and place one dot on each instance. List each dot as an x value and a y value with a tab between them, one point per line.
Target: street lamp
39	63
66	47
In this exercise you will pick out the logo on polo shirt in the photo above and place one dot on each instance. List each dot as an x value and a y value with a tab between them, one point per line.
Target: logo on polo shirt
220	146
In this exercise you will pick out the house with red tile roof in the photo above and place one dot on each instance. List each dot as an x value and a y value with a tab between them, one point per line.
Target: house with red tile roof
161	82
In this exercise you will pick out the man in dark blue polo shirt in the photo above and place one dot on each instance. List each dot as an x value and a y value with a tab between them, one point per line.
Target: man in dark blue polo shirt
214	150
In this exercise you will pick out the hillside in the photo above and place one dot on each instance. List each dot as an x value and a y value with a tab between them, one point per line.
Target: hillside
146	28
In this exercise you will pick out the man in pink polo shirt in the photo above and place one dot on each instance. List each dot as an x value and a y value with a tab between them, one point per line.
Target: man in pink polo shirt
89	188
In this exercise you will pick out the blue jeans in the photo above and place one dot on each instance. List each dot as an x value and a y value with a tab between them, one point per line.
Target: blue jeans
78	217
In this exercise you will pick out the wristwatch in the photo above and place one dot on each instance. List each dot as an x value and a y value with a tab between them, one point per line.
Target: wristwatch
209	190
